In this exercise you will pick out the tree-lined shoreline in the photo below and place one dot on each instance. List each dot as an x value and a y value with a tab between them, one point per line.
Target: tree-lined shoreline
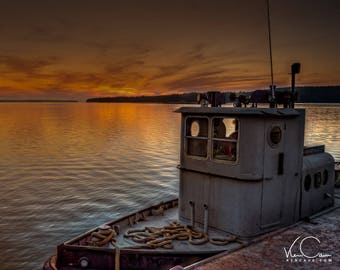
305	94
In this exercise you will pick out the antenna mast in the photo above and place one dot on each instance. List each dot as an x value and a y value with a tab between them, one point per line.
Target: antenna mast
272	86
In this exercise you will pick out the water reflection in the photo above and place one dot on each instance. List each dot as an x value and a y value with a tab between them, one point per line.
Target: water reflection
322	127
66	168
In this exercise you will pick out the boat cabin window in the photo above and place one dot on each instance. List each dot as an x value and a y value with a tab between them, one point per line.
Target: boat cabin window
196	135
225	136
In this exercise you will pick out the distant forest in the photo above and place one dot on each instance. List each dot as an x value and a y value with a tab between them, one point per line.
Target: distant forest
170	99
318	94
305	94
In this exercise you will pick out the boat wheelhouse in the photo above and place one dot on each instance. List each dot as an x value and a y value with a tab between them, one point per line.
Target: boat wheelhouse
245	170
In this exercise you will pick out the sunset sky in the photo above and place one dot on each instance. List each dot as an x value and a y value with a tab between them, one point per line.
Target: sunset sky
76	49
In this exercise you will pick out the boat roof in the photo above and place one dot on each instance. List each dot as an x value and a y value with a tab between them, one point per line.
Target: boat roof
263	112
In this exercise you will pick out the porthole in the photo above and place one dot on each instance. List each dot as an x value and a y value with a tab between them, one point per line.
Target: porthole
308	182
275	135
84	262
325	177
196	142
317	180
194	129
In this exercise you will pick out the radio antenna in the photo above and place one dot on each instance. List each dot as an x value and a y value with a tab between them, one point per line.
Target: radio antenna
272	87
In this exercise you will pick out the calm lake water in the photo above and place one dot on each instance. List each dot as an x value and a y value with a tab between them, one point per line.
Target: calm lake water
68	167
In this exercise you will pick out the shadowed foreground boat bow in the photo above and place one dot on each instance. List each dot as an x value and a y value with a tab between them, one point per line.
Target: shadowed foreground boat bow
149	239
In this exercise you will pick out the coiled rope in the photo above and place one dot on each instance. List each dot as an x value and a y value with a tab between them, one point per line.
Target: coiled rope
162	237
103	237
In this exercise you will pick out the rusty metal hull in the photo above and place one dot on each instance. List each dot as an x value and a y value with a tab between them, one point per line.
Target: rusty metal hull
129	260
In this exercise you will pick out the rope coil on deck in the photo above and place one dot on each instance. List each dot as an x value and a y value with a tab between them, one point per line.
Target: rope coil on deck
162	237
103	237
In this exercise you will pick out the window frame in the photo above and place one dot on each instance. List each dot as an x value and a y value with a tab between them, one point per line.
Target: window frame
213	139
196	137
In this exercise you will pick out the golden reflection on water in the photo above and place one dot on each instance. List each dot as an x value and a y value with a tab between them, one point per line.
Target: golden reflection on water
53	129
57	129
322	127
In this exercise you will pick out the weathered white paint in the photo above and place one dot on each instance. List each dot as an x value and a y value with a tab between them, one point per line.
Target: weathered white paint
250	196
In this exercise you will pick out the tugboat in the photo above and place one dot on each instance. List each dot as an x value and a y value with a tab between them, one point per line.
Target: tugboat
243	173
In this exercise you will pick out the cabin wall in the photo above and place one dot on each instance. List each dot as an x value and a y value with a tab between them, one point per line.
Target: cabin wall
237	202
258	192
281	186
317	181
293	161
233	206
250	148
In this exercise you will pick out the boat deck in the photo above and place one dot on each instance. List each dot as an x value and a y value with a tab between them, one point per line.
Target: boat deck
261	252
145	219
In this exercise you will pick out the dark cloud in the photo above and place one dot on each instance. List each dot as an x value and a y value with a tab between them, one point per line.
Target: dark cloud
212	80
124	66
47	34
168	71
89	79
25	65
